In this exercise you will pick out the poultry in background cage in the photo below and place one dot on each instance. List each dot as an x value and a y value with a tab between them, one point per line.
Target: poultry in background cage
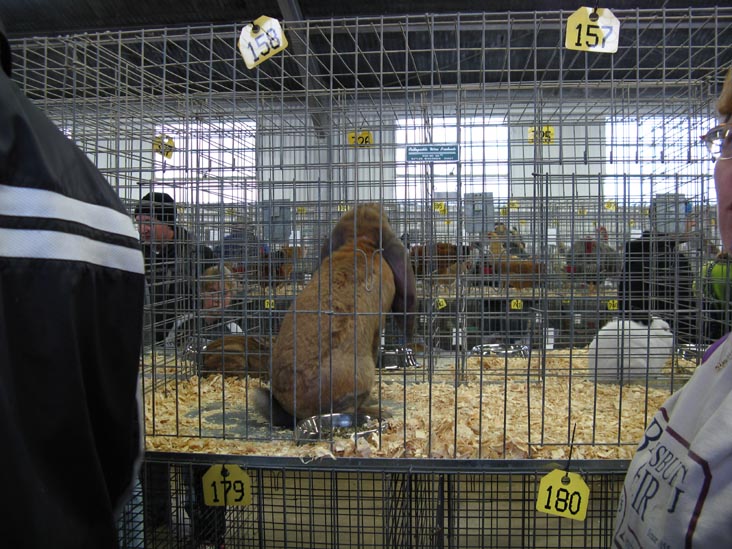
591	260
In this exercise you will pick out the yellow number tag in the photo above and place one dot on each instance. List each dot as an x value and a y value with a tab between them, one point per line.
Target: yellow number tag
226	485
269	304
440	207
517	304
503	211
611	206
260	40
164	145
300	210
440	303
342	208
543	135
363	139
563	494
595	30
612	304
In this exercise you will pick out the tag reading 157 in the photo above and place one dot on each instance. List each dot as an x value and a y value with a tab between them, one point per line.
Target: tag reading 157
563	494
595	30
260	40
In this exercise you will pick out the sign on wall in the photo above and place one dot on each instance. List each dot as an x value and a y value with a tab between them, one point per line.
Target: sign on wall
433	152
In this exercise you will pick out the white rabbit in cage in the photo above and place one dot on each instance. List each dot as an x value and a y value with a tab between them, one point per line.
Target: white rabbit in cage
628	350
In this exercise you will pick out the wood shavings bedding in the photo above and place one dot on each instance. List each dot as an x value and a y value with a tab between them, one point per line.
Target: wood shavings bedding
556	363
441	420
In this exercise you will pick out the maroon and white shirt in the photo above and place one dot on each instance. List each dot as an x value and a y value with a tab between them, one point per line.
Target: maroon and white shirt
678	489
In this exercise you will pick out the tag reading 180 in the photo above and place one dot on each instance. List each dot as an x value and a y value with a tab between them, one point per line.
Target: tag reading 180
260	40
563	494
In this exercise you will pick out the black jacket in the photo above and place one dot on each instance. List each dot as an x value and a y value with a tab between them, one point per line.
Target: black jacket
71	296
172	270
657	280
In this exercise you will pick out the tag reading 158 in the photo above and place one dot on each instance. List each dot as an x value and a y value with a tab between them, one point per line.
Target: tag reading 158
260	40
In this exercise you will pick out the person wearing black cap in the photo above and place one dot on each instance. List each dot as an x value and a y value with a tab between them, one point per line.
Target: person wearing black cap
172	261
71	302
173	265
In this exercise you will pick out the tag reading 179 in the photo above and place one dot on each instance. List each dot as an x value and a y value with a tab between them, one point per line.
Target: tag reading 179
226	485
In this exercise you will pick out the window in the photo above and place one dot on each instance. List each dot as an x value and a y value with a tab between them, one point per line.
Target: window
483	145
206	161
670	146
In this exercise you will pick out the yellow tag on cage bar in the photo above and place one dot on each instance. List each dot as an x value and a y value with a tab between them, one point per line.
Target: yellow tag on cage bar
563	494
363	139
226	485
164	145
260	40
612	304
592	29
269	304
517	304
440	303
440	207
543	135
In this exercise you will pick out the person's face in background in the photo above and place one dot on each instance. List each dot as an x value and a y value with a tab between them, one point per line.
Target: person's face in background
215	298
151	230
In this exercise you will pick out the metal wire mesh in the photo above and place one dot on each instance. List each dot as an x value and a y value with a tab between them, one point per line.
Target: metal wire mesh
569	167
385	506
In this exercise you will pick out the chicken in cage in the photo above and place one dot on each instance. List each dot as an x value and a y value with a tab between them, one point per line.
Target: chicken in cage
591	261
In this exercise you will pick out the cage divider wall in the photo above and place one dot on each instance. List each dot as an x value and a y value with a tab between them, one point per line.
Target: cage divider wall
567	154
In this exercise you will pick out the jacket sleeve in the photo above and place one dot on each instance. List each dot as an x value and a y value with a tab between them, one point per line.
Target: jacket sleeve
71	296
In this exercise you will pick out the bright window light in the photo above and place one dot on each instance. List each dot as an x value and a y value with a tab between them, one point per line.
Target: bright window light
639	147
483	164
208	161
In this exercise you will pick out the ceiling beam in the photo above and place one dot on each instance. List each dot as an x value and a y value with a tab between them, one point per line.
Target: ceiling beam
291	11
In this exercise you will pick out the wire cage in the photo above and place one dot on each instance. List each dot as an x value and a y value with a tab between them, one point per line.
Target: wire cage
375	504
548	198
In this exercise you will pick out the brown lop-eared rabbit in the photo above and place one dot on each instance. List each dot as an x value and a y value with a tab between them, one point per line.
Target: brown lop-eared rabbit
324	357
